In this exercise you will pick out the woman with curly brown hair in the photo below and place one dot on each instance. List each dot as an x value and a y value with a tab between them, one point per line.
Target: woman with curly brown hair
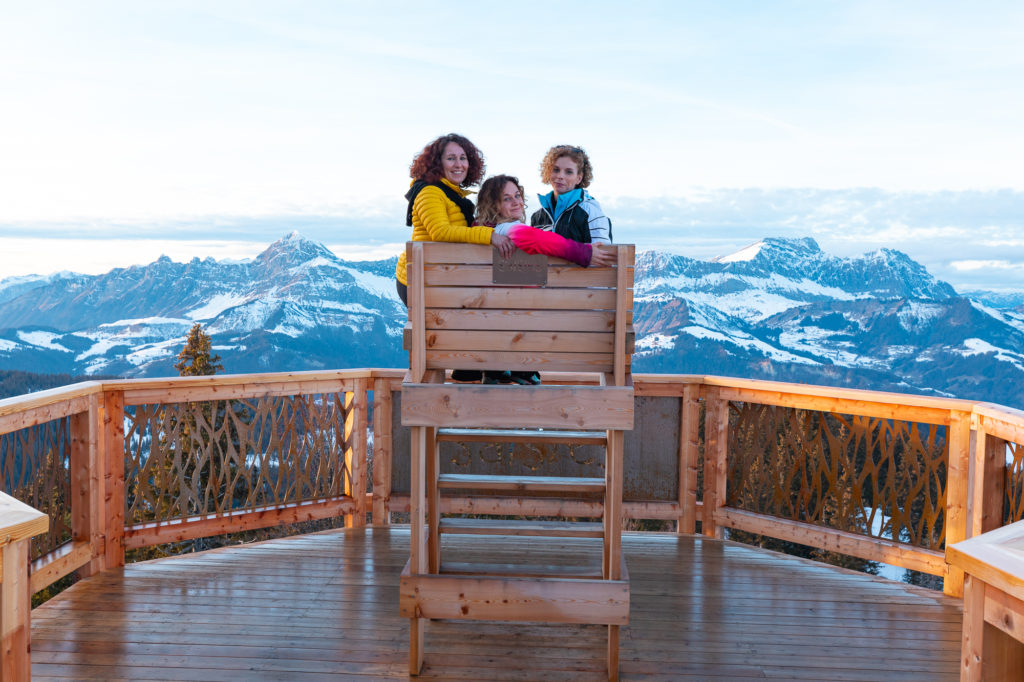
568	209
501	205
438	208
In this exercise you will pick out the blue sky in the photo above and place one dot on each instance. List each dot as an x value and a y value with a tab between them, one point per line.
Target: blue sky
132	129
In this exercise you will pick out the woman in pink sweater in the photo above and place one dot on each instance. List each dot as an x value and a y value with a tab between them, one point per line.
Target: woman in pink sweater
500	205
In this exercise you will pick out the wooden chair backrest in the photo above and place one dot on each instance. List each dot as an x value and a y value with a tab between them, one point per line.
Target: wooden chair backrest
581	321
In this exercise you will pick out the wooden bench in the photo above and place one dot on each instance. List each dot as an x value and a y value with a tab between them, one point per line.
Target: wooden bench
579	321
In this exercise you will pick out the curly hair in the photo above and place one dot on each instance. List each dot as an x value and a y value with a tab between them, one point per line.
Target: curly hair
427	164
576	154
488	201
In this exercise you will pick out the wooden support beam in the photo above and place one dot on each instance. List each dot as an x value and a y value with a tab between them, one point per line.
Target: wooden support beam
716	458
111	455
957	487
382	451
689	453
355	451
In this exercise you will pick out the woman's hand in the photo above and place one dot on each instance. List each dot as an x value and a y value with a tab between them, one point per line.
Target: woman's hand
602	256
503	244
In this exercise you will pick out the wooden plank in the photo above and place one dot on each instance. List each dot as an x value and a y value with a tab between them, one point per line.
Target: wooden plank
460	274
521	527
455	435
550	600
520	341
18	521
433	500
844	542
613	505
716	456
972	642
382	451
518	506
522	484
689	454
1005	612
521	320
51	567
519	360
244	387
144	535
522	570
578	407
417	301
417	500
623	302
532	298
15	611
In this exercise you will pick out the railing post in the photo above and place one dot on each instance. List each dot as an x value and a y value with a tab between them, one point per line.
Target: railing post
112	456
716	459
957	479
987	482
15	611
382	405
355	451
19	523
87	492
689	435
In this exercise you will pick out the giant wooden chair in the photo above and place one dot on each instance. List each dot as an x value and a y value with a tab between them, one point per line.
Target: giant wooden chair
579	321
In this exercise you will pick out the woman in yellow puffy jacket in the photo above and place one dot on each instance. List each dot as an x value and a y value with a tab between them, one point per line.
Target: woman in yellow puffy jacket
438	208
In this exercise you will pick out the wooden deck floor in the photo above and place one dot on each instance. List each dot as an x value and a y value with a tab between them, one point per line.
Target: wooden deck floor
326	607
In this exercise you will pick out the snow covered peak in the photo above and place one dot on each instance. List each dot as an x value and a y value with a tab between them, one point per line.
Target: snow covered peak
747	253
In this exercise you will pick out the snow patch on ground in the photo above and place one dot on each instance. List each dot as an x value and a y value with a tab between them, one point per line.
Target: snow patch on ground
977	346
915	315
43	340
146	321
748	343
8	346
216	305
656	341
375	284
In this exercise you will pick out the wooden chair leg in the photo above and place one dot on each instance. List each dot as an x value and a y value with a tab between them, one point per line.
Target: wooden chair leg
415	645
433	502
613	653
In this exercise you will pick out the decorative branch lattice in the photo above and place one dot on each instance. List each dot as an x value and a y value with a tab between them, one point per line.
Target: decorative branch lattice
212	457
35	468
880	477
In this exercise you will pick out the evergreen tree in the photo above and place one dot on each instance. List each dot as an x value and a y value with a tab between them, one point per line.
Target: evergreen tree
194	359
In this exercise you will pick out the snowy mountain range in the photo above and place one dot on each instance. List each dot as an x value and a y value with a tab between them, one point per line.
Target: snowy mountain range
778	309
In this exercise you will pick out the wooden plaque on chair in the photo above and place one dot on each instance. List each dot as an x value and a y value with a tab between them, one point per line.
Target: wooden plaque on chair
522	268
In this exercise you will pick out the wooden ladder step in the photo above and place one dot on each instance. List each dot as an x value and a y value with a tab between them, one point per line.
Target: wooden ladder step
554	529
523	436
521	484
586	572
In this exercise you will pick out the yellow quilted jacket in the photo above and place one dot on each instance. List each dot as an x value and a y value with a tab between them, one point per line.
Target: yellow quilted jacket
436	218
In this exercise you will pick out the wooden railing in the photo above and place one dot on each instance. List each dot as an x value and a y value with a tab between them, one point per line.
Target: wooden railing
128	464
